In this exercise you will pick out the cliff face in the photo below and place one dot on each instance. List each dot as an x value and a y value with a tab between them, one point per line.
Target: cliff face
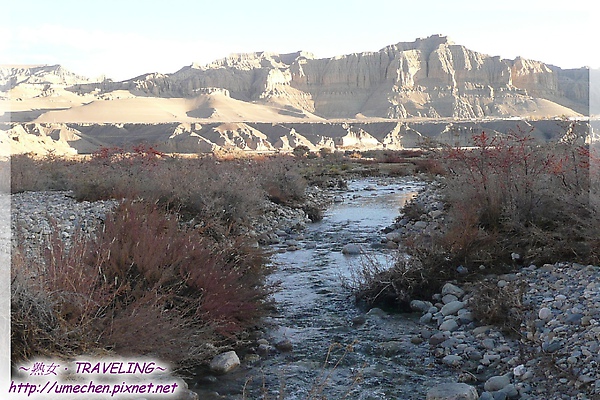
430	77
12	76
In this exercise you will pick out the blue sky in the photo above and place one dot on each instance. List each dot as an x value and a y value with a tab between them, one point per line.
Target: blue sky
126	38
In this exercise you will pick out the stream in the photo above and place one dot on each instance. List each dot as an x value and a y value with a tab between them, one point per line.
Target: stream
339	350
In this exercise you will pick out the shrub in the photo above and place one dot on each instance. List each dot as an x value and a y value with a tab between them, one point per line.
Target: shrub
281	179
508	194
29	173
394	286
34	324
532	198
301	151
144	285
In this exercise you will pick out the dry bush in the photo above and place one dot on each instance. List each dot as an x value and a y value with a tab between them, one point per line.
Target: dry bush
530	198
429	166
501	307
282	180
376	284
220	283
226	192
144	285
29	173
34	323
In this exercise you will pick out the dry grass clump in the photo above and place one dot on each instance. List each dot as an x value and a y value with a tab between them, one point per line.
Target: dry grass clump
33	320
143	286
502	307
281	179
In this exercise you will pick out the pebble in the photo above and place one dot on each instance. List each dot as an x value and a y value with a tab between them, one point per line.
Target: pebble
545	313
449	325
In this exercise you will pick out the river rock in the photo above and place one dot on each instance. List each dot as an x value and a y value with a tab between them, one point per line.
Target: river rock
420	305
351	249
452	360
225	362
426	318
510	390
545	313
452	308
449	325
421	225
449	298
449	288
394	236
377	312
187	394
437	338
452	391
496	383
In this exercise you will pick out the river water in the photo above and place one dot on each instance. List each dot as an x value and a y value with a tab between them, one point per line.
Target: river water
339	350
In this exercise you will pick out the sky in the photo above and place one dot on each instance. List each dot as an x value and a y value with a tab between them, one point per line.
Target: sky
122	39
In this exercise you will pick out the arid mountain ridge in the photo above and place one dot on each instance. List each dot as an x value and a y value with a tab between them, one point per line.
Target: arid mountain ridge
402	86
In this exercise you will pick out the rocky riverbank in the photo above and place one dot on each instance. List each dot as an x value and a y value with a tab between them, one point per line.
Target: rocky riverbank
552	349
553	355
40	217
37	215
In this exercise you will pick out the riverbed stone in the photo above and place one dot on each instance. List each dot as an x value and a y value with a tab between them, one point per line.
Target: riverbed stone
545	313
452	360
452	308
420	305
452	391
450	288
421	225
449	298
496	383
225	362
377	312
426	318
449	325
395	236
510	390
352	249
438	338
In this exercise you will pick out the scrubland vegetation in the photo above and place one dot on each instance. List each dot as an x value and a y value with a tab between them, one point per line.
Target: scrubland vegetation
509	202
170	272
173	273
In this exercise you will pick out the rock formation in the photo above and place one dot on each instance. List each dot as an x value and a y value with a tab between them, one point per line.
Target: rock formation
392	98
73	138
431	77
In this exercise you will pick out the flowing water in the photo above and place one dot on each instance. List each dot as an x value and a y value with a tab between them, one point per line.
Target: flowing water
339	350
